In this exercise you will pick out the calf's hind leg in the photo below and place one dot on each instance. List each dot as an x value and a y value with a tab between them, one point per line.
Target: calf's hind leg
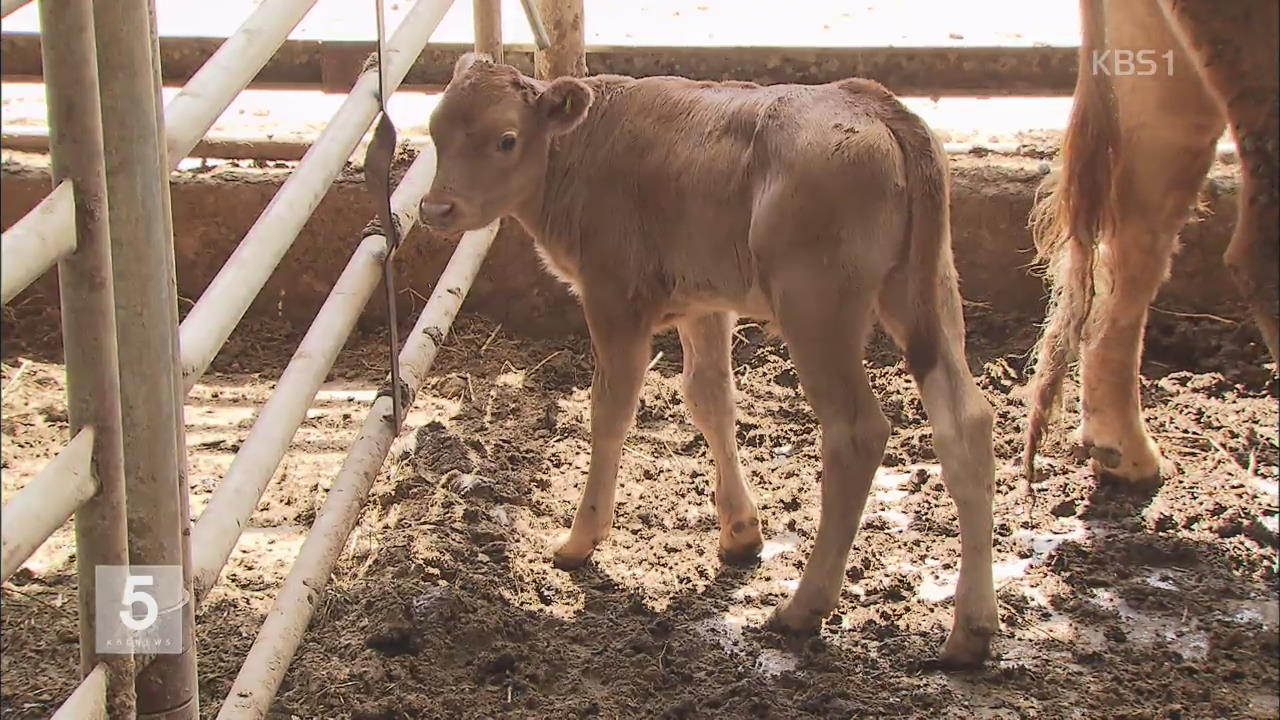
824	317
708	392
962	424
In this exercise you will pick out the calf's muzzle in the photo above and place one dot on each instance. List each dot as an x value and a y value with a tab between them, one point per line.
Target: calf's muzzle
435	213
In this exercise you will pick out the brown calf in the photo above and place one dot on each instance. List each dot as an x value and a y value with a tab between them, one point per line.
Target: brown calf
1136	152
665	201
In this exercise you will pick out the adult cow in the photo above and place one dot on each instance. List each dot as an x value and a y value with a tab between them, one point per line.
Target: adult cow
664	201
1158	80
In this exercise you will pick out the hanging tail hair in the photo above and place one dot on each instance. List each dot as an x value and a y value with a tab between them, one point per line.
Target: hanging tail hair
1066	224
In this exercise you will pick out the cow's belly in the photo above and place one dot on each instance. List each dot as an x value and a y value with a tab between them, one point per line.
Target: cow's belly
752	303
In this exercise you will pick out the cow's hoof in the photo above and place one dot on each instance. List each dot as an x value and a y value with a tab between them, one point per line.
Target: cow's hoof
1137	465
1145	477
787	619
741	542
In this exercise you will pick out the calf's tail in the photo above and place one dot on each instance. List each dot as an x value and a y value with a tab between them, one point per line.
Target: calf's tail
929	270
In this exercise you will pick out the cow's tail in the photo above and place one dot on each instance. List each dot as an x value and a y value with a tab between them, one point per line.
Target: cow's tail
1066	223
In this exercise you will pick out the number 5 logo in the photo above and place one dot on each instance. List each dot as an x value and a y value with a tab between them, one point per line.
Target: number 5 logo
133	596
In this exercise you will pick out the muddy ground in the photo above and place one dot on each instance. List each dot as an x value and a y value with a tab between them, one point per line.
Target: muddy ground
445	604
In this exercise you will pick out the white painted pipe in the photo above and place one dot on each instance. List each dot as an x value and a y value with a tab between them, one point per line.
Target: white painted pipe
47	234
89	701
540	39
188	115
8	6
237	496
282	631
34	244
48	500
229	295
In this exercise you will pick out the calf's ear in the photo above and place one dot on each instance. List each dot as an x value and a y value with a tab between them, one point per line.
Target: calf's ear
468	59
564	104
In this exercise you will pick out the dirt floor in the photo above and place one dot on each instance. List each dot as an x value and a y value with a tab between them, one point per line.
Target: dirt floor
445	604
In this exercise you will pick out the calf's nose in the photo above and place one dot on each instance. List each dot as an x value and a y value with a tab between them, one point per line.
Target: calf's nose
434	212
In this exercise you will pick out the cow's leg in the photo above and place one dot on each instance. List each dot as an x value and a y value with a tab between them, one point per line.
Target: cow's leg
1169	125
620	344
962	424
708	391
1235	46
824	319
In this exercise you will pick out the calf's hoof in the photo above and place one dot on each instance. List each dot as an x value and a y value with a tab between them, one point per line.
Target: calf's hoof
741	542
968	647
572	555
789	619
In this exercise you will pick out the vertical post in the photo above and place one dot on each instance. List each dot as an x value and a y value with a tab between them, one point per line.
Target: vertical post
179	386
146	305
488	23
568	52
88	321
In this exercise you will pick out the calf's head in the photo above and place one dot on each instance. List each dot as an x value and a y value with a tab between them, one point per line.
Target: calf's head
492	132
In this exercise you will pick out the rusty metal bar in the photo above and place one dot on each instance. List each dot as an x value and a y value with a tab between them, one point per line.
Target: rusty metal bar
487	15
215	84
46	502
89	324
146	304
962	71
215	145
292	148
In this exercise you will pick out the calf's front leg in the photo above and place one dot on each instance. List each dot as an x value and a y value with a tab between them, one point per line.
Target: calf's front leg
621	348
708	393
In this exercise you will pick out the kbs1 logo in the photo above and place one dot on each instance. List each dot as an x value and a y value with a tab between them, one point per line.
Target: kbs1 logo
1142	63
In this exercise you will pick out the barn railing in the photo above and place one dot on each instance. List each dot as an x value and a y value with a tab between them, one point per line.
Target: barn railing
125	392
46	234
228	296
89	343
237	496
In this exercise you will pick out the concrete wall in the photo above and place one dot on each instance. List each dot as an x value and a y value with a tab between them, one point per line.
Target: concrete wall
991	199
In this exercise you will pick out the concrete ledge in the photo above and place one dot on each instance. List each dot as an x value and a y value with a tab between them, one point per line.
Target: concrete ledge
991	199
927	71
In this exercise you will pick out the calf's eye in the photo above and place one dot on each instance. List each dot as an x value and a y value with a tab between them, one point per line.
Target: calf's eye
508	142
